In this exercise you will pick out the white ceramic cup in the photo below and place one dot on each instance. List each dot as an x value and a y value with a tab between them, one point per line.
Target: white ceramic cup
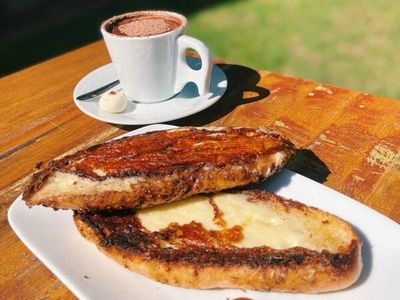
153	68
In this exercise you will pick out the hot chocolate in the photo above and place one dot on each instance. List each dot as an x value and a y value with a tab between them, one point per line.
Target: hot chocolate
142	24
147	49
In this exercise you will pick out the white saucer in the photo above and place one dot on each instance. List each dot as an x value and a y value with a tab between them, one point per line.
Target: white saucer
186	103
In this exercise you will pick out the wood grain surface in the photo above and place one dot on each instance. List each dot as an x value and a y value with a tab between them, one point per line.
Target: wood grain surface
350	141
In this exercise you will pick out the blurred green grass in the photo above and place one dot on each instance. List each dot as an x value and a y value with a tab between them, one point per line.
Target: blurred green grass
353	44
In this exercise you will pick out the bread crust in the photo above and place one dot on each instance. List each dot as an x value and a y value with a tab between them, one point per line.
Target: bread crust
169	165
294	269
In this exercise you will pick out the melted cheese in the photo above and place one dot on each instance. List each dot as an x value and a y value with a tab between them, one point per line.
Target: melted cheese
262	226
196	209
61	183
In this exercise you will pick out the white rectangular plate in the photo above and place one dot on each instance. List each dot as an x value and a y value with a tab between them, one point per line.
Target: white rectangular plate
53	238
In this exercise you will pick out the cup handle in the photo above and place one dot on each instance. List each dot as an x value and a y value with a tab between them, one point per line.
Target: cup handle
185	74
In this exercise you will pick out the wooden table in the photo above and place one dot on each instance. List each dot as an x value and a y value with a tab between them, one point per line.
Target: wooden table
350	141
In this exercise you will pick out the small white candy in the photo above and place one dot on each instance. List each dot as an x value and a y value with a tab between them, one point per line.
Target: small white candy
113	102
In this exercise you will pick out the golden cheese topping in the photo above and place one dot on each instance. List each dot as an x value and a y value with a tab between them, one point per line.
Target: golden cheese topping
260	224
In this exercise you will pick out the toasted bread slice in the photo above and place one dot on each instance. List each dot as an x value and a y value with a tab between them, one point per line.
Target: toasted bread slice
158	167
249	240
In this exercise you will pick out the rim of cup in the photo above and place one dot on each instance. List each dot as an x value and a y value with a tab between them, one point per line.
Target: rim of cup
141	12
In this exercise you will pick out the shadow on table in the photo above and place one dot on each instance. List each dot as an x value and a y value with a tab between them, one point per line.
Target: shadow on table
308	164
241	79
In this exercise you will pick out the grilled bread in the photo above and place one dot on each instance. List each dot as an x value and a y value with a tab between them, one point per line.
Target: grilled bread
158	167
249	240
